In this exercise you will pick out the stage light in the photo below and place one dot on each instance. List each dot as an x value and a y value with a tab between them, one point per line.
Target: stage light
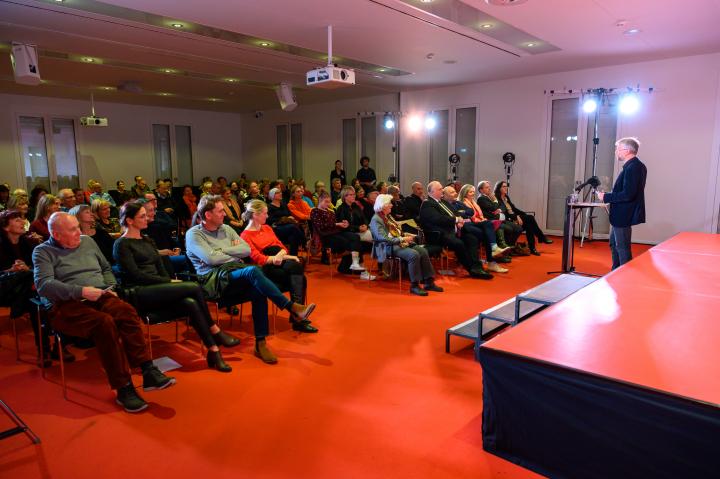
414	123
388	122
590	105
629	104
430	122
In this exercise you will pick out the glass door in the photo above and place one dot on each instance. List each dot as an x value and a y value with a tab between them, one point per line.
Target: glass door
50	159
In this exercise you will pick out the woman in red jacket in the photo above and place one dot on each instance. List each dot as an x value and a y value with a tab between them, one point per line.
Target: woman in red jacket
268	252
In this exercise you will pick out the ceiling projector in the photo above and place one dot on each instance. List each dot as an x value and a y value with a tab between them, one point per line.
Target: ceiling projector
93	121
330	77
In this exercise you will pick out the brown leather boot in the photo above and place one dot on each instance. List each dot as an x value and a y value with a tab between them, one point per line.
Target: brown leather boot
264	353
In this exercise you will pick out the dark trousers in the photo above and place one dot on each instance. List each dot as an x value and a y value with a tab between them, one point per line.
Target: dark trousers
343	241
511	231
250	282
466	250
174	300
532	230
419	265
484	232
288	276
114	326
620	241
16	290
291	235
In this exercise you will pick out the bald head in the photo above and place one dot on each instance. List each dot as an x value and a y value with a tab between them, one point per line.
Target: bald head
434	189
449	193
65	229
417	189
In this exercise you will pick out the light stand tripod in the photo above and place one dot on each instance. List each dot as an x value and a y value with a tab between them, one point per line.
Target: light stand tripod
508	163
591	196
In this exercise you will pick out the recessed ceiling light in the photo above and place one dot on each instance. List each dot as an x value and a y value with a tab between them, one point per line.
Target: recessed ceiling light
177	25
426	1
106	88
531	44
164	94
214	99
632	31
264	44
382	69
88	60
59	1
486	26
231	80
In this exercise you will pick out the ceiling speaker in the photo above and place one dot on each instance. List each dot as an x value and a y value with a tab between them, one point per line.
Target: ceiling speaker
286	97
25	65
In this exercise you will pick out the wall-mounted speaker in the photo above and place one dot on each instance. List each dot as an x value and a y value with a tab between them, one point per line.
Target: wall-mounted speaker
286	97
25	64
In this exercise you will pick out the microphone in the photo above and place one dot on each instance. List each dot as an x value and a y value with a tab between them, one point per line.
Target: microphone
592	181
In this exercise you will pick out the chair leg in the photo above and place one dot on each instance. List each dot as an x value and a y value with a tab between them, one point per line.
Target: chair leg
330	260
40	327
58	340
399	266
149	339
17	340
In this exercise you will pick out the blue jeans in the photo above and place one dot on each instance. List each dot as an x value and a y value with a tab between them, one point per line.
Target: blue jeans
250	282
620	240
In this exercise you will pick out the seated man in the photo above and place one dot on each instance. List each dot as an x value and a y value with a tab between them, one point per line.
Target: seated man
216	252
437	215
74	275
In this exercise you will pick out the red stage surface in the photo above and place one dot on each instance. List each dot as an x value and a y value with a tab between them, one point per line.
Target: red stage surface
651	323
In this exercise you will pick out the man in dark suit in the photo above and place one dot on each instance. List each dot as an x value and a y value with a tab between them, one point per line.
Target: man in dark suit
413	201
437	215
627	200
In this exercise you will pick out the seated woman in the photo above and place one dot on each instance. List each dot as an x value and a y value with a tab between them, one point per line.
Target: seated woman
519	217
101	209
20	203
351	212
285	226
299	209
16	278
390	240
334	235
508	231
233	212
141	268
188	207
266	250
87	227
482	228
47	205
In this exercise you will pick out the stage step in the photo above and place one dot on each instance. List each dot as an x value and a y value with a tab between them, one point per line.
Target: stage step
517	309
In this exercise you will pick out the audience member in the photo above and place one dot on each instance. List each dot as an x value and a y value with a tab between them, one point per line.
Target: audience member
4	196
98	194
165	201
338	173
366	175
73	274
487	228
508	231
216	252
233	211
335	188
22	205
286	227
413	201
519	217
79	196
47	205
283	269
351	212
187	210
122	195
299	209
153	291
67	199
35	194
140	188
87	225
101	211
391	241
441	226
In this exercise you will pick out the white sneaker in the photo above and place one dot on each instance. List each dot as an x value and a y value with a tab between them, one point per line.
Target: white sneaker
496	268
497	251
357	267
367	276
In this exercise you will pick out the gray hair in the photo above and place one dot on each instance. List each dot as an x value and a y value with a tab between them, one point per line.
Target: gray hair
629	142
57	217
76	210
381	201
392	189
65	193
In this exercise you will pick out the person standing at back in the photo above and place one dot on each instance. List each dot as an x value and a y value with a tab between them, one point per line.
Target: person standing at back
339	173
627	200
366	175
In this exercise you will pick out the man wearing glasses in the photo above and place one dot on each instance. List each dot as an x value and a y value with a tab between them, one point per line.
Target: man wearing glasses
627	200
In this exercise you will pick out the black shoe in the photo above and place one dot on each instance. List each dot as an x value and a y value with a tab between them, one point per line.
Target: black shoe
130	400
418	291
534	252
224	339
547	241
433	287
503	259
480	274
216	361
303	326
232	310
154	379
68	357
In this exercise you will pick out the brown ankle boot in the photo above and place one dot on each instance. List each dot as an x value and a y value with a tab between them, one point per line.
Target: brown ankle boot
264	353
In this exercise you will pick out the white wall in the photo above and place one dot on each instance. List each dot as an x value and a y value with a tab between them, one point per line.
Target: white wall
677	125
123	149
322	138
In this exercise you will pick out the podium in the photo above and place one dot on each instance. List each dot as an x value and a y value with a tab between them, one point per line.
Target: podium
568	252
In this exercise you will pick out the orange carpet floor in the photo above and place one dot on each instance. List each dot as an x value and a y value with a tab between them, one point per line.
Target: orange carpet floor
373	395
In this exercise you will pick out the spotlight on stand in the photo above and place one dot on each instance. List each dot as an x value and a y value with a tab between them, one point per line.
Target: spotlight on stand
590	105
430	122
508	162
388	121
629	104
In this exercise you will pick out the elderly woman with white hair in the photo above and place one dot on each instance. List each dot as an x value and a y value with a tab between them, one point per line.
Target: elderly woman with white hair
390	240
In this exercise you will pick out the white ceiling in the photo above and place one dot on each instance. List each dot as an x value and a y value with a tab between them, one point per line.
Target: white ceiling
388	33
